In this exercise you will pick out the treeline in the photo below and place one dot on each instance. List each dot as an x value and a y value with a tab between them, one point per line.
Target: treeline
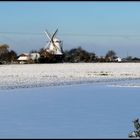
79	55
74	55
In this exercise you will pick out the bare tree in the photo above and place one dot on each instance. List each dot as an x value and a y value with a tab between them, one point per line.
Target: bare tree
110	55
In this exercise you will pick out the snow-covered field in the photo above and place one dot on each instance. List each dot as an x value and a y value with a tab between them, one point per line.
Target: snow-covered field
40	75
97	100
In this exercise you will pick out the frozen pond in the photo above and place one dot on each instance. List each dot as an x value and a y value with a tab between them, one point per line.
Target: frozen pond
97	110
84	100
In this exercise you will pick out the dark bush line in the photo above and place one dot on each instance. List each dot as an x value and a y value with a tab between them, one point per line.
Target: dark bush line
74	55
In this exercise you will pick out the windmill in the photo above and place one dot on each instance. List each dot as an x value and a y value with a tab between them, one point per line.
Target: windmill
54	45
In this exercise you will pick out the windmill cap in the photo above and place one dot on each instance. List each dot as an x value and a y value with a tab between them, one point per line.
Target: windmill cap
56	39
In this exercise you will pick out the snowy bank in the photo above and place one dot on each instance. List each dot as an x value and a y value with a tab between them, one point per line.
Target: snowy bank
39	75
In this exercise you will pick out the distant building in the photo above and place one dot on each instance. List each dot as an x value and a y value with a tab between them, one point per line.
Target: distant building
118	59
23	58
34	56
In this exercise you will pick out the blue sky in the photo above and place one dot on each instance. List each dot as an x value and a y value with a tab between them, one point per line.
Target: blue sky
96	26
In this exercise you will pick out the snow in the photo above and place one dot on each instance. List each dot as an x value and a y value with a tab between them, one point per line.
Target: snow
95	100
40	75
74	111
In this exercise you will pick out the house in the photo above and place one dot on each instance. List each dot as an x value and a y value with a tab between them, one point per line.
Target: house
118	59
34	56
24	58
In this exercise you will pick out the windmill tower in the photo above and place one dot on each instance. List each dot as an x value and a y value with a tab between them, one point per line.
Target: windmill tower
54	45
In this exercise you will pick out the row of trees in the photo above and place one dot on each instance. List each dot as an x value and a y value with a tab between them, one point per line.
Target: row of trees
79	55
46	57
74	55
